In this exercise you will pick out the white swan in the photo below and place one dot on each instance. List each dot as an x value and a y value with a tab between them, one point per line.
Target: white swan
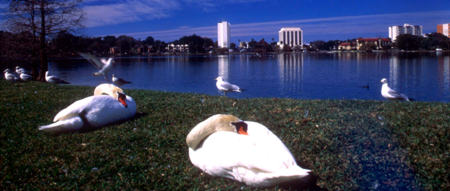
9	75
391	94
225	86
102	64
94	111
54	79
244	151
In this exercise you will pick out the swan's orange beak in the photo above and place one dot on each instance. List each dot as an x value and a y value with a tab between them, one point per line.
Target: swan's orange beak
241	127
242	131
122	99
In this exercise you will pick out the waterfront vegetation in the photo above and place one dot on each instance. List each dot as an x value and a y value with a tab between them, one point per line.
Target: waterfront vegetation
349	144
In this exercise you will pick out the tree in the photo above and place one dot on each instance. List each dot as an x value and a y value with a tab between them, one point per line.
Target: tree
149	41
408	42
43	17
436	40
197	44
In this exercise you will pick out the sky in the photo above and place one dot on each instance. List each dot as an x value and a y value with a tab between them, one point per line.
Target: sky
169	20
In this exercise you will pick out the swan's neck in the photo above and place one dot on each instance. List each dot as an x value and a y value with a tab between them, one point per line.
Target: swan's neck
205	128
108	89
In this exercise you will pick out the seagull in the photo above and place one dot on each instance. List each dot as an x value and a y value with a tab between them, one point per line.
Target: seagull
23	74
20	70
391	94
25	77
9	75
54	79
225	86
119	81
104	65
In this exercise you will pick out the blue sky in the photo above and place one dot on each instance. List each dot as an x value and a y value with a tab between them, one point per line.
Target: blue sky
169	20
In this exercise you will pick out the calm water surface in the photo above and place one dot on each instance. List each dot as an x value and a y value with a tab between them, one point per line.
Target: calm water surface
425	77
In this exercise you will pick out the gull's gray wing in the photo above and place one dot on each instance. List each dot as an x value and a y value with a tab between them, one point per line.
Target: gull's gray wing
93	60
230	87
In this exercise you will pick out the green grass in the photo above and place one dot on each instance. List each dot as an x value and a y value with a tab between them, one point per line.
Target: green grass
350	145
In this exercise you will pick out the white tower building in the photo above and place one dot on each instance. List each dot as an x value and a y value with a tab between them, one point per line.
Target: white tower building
292	36
223	34
394	31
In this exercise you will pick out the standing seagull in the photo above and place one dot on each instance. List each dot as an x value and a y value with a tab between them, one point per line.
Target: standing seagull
102	64
391	94
54	79
225	86
9	75
119	81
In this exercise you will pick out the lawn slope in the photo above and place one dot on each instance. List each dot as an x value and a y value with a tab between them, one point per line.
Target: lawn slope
349	144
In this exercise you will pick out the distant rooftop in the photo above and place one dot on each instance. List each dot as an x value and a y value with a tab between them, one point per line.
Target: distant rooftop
290	28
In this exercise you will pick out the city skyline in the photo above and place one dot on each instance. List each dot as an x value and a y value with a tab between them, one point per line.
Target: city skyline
320	20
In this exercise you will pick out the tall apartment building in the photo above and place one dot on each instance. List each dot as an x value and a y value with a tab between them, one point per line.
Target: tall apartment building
292	36
444	29
394	31
223	34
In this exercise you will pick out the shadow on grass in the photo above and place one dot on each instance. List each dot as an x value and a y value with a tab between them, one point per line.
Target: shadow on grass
307	183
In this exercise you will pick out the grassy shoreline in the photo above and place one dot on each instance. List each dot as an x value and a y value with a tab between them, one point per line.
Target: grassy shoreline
349	144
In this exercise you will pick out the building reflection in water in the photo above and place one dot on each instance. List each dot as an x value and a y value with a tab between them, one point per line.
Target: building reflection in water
394	69
290	68
223	66
444	72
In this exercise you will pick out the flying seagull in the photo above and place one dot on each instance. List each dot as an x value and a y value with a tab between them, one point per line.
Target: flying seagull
119	81
54	79
104	65
391	94
225	86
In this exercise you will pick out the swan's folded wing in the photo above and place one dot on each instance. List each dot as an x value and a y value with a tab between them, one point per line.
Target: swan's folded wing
73	109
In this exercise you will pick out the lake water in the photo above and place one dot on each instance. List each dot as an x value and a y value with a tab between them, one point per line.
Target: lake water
424	77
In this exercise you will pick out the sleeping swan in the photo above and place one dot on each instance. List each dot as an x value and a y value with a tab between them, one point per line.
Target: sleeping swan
94	111
245	151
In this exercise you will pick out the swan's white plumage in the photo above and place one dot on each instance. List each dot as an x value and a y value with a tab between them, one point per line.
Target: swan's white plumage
91	113
258	159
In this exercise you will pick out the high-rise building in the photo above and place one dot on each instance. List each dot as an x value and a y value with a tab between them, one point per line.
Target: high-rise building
444	29
394	31
223	34
292	36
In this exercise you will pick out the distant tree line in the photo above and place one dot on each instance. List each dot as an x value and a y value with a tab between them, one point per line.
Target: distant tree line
430	42
403	42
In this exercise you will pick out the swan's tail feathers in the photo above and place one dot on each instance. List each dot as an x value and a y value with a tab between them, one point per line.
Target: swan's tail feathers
64	126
